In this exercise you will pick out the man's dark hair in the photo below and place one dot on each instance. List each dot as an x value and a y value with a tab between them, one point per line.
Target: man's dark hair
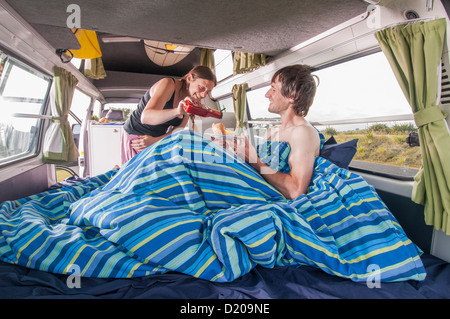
297	83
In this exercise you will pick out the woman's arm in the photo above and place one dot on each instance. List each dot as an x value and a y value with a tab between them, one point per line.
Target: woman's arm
153	113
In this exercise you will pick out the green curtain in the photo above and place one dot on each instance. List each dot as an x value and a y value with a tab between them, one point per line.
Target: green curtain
414	52
207	58
59	146
239	101
94	68
245	62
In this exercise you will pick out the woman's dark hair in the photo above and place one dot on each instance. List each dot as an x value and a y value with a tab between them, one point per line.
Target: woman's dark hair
297	83
199	72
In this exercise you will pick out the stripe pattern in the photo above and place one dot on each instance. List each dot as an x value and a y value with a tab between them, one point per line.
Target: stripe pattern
187	205
275	155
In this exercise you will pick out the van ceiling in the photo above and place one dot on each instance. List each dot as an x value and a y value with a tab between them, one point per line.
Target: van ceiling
260	26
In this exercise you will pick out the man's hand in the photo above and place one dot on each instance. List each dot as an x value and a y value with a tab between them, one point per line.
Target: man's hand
245	150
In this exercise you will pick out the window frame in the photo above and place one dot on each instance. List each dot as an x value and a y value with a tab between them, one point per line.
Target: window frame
41	118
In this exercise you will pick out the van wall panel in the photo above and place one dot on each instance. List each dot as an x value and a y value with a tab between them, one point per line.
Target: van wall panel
30	182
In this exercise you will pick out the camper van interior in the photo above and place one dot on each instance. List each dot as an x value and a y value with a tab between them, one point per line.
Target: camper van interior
186	217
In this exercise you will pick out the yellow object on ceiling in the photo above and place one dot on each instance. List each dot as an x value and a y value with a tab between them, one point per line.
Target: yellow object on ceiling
90	48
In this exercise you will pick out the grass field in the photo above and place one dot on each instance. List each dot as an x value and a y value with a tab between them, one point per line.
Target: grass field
381	144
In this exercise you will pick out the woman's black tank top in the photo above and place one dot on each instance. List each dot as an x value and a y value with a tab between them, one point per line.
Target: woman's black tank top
134	125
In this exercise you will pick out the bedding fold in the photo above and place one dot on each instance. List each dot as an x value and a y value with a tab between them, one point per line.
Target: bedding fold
187	205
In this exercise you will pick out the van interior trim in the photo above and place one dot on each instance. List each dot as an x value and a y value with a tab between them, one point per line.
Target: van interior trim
389	184
27	42
34	116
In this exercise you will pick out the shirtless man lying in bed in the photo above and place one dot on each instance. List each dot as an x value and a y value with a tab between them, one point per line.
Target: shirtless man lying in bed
291	94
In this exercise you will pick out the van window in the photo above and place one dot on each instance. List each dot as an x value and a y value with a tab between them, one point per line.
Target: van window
226	104
118	111
97	110
223	64
23	96
79	106
360	88
260	118
362	99
76	62
258	105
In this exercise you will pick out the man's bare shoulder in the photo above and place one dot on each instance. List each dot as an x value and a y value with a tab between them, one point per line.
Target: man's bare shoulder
303	138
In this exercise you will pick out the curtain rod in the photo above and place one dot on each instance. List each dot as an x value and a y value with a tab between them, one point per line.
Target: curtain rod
408	22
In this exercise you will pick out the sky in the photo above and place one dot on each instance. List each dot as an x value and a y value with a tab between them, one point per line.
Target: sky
365	87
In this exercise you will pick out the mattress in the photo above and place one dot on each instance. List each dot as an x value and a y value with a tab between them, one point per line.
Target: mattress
303	282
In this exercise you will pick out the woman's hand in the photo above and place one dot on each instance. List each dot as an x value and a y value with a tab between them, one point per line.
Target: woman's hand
180	107
143	142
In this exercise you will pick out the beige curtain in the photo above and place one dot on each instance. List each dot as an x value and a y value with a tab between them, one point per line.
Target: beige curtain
59	146
239	102
94	69
207	58
245	62
414	52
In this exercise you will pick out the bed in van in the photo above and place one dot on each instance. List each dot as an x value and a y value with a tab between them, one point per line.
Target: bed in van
71	73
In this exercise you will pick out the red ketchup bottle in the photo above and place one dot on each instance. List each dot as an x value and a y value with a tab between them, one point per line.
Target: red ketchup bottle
194	108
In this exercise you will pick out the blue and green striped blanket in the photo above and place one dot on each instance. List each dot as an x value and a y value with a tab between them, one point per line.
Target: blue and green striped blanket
187	205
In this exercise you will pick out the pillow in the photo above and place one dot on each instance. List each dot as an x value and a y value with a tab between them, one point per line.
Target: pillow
340	154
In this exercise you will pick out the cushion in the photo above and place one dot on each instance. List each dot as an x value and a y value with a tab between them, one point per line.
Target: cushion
340	154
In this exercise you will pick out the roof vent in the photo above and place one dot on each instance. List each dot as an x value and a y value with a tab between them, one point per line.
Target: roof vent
166	54
411	15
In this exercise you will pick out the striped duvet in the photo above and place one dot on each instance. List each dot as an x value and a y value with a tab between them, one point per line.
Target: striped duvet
187	205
